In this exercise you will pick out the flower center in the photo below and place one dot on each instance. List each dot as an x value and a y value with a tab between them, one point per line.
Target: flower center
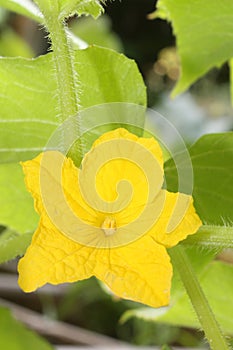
109	226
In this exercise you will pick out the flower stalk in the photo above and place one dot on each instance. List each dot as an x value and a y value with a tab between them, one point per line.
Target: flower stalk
199	301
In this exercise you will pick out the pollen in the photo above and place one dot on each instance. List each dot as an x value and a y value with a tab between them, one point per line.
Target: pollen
109	226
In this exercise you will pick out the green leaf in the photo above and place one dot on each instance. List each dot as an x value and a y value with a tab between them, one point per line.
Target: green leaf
107	76
15	336
12	245
220	299
144	313
212	161
28	91
204	35
65	8
23	7
28	107
86	7
16	204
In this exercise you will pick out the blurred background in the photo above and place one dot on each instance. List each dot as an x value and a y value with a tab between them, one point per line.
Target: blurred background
205	108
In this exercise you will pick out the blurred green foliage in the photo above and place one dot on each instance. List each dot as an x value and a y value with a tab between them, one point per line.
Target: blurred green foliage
96	32
14	336
13	45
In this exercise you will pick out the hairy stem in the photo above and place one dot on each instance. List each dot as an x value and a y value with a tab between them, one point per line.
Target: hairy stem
64	69
66	77
212	236
201	306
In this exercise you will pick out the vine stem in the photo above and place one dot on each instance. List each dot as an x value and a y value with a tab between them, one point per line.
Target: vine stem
200	304
212	236
64	68
65	75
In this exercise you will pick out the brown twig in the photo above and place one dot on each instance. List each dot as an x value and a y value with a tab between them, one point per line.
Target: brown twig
9	285
61	331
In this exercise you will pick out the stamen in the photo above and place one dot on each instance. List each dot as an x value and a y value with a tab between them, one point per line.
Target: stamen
109	226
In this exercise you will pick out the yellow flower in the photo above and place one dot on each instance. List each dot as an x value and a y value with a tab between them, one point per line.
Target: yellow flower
110	219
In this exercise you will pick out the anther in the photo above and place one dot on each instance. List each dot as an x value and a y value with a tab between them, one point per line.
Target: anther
109	226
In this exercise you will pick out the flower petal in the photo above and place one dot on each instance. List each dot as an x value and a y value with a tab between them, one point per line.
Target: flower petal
31	169
140	271
178	219
149	143
115	134
73	203
49	188
121	172
53	258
